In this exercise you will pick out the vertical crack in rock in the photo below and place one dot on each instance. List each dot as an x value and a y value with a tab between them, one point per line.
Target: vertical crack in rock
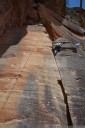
69	120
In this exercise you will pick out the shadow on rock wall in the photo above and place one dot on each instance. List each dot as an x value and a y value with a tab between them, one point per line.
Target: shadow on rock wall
12	15
10	38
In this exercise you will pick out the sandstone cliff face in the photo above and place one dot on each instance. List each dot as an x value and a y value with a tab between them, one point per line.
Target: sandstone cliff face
13	13
82	17
60	4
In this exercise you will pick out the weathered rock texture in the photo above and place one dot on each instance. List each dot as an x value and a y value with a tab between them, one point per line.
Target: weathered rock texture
14	13
82	17
60	4
30	96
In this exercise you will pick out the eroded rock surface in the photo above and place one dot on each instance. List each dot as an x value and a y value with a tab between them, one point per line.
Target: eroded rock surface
35	90
82	17
30	95
16	13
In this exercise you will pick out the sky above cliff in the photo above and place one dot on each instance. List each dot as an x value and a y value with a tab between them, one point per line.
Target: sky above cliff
75	3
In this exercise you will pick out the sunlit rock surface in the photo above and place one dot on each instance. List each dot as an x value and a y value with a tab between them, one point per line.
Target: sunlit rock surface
38	90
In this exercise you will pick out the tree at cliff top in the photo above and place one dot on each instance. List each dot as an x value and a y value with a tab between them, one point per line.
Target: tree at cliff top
80	4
